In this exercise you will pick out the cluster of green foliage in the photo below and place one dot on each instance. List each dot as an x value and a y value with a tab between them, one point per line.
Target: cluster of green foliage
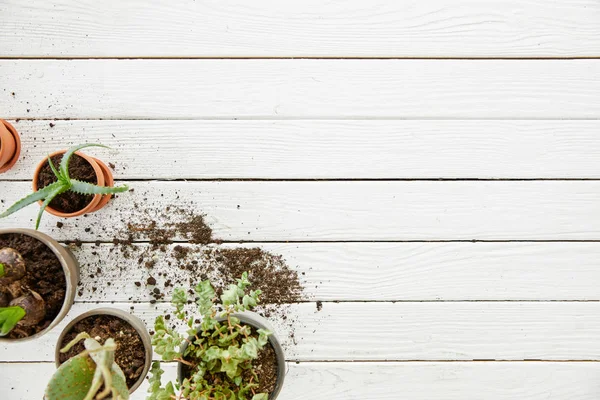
219	353
63	184
82	376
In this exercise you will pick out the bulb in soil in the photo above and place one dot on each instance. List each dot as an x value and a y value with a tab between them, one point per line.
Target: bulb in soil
34	307
14	265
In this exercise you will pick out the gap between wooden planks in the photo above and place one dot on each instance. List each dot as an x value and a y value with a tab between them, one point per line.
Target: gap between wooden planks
287	89
342	149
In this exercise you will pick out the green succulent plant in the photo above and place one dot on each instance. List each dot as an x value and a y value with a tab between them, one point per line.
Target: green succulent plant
82	376
63	184
219	355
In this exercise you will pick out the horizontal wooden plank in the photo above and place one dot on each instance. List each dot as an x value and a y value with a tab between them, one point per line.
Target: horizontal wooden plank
337	211
415	380
325	149
160	89
370	271
402	331
266	28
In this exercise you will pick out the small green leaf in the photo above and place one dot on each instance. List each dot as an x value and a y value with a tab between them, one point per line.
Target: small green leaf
9	317
1	270
260	396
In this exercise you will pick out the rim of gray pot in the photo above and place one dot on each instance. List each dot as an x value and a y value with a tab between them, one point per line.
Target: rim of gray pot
132	320
258	322
70	267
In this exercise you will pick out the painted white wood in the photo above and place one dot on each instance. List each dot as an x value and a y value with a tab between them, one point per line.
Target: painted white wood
378	331
414	380
267	28
324	149
376	271
159	89
333	211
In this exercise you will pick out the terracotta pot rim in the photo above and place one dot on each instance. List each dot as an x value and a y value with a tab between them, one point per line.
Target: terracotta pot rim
109	181
17	152
91	205
132	320
255	320
70	268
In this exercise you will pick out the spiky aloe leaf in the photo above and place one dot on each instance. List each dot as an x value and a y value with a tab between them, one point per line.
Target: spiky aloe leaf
53	168
88	188
9	316
59	189
64	163
32	198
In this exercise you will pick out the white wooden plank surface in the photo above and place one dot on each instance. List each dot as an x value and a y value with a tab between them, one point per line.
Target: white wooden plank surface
335	211
382	271
267	28
159	89
325	149
415	380
403	331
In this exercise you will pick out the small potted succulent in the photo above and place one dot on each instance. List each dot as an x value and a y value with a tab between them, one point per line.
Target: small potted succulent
82	376
10	146
128	333
38	278
232	355
79	185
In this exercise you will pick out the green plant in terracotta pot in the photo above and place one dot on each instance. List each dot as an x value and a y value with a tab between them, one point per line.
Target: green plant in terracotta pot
232	355
63	183
81	377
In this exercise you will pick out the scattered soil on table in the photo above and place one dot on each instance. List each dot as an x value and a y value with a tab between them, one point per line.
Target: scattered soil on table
79	169
130	354
44	275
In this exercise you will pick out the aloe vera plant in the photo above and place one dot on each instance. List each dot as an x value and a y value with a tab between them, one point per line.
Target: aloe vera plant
63	184
82	376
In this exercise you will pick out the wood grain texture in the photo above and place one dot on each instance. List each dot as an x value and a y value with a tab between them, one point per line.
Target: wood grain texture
161	89
415	380
374	271
337	211
321	149
267	28
426	331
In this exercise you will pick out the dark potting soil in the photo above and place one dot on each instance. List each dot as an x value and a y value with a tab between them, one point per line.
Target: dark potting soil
79	169
130	354
44	275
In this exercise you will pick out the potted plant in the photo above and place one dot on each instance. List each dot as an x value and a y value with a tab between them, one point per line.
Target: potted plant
231	355
133	343
82	376
10	146
80	185
38	278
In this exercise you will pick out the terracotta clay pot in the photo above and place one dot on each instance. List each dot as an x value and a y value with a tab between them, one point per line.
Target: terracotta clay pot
258	322
10	146
132	320
104	178
70	268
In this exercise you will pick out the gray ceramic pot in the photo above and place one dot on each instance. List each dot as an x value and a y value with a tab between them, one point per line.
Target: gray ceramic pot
70	268
258	322
132	320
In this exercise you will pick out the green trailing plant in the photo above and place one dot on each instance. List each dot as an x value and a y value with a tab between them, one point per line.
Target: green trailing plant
82	376
18	305
218	356
63	184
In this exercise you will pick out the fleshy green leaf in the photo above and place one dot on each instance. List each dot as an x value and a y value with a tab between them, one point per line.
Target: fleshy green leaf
89	188
1	270
205	293
179	300
32	198
47	200
64	163
9	316
260	396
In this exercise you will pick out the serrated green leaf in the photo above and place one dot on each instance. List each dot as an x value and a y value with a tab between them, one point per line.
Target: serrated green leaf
66	159
47	200
89	188
31	198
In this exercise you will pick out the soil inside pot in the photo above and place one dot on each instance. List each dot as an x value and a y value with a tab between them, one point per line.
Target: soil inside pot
44	275
130	354
80	169
265	367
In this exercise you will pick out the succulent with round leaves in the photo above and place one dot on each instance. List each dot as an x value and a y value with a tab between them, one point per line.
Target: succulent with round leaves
82	376
18	306
63	184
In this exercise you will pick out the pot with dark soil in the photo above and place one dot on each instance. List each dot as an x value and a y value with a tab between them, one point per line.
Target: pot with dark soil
233	354
10	146
133	353
70	184
38	278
